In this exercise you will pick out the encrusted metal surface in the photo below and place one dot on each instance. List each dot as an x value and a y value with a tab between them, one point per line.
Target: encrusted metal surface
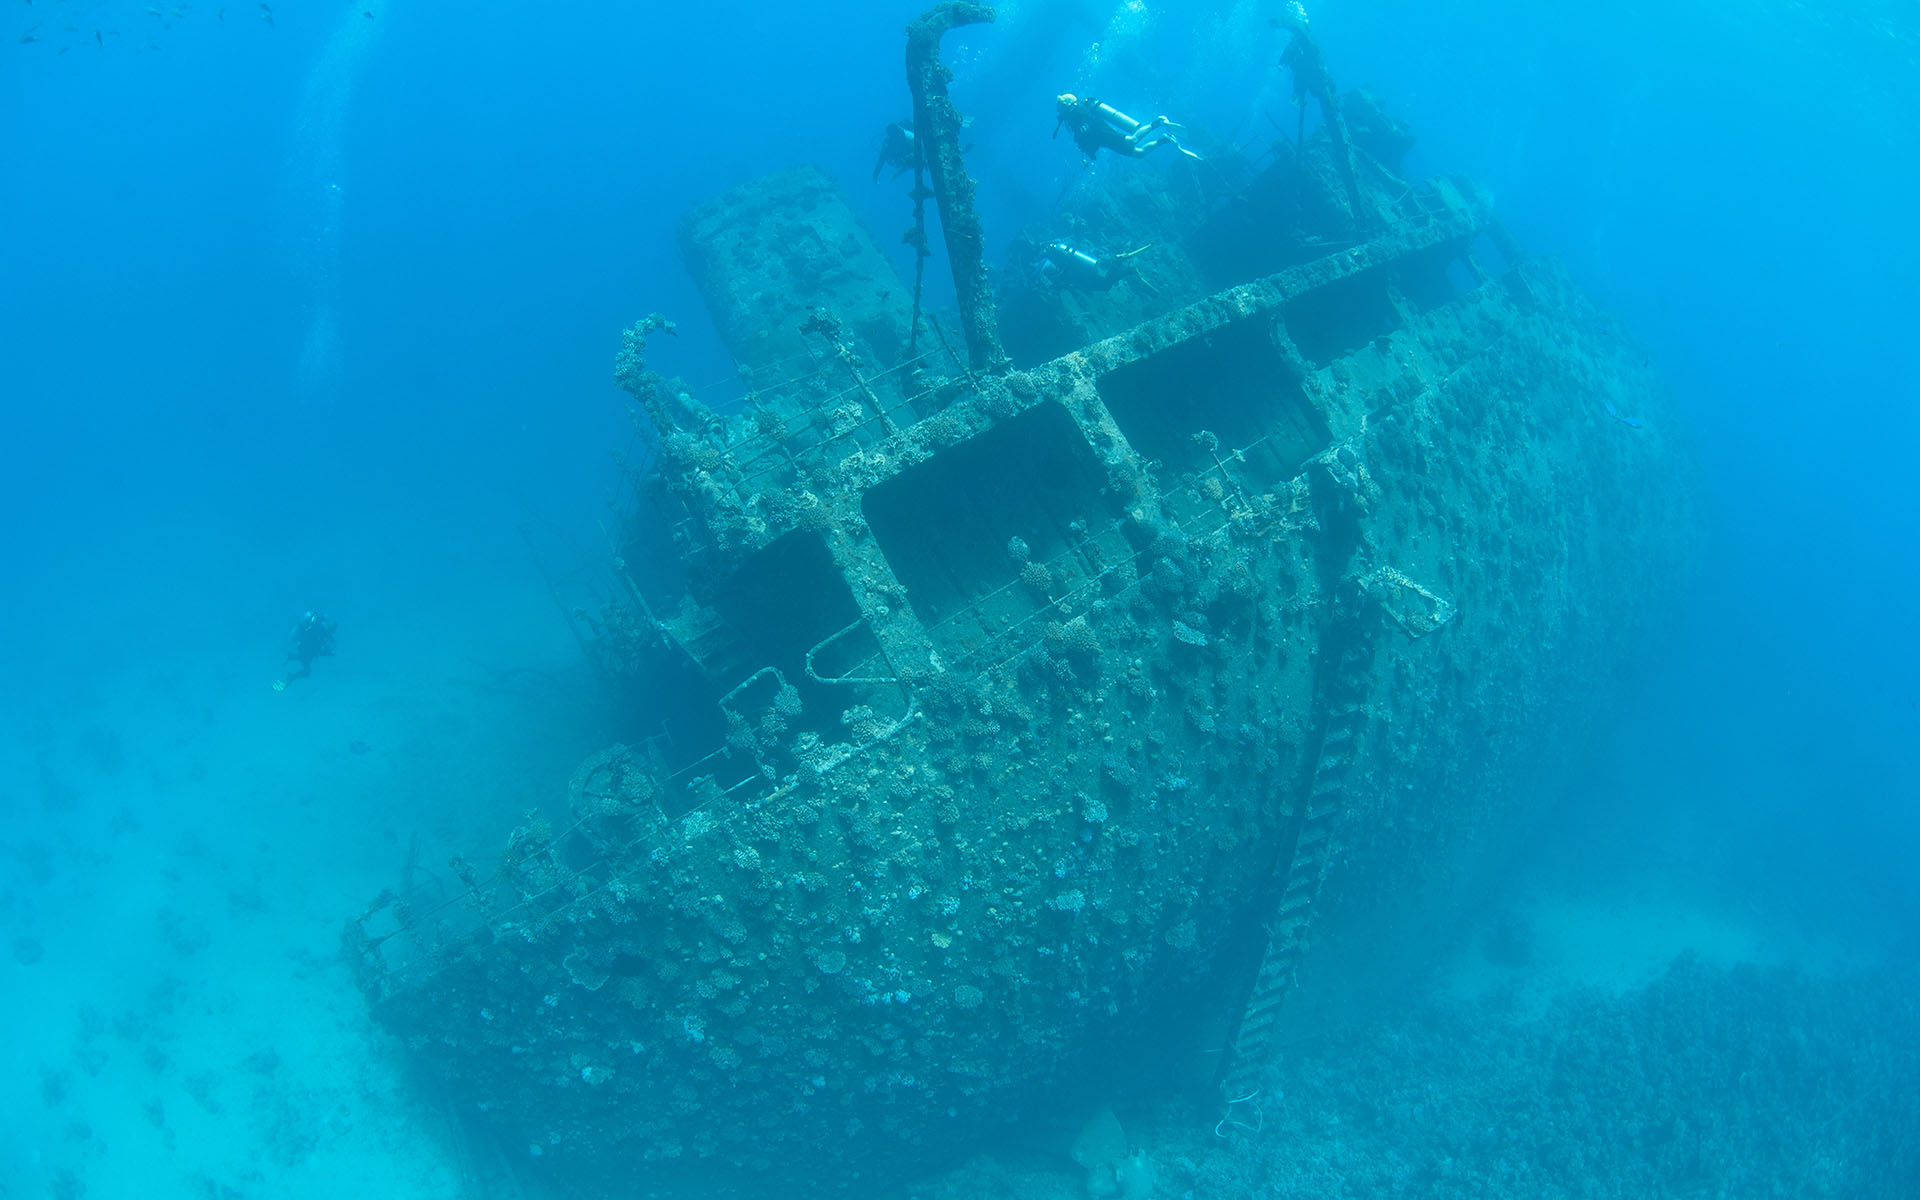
1052	703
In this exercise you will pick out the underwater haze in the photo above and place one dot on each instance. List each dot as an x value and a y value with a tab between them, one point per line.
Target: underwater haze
314	308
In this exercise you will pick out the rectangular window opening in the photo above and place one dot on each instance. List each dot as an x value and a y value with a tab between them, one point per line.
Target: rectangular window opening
746	715
1332	322
1233	383
989	534
1461	276
1487	253
1432	277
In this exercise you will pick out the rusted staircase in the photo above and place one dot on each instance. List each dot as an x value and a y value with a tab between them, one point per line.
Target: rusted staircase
1297	875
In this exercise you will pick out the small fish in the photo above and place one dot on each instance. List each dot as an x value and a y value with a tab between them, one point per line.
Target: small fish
266	14
28	36
1629	422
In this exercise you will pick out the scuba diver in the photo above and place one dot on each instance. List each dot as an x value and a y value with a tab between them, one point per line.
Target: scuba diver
312	638
1072	267
1097	126
899	149
1303	60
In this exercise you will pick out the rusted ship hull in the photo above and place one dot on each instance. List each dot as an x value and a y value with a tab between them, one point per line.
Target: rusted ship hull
1052	701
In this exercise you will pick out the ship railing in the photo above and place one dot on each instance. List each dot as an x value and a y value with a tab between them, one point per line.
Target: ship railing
1209	519
1017	641
1213	514
762	458
1029	631
571	888
850	676
773	458
491	905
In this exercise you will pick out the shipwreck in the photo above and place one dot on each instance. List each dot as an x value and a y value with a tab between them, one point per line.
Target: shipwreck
1079	690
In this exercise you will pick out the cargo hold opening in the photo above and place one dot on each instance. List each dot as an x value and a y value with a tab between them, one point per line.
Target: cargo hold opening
1233	383
972	532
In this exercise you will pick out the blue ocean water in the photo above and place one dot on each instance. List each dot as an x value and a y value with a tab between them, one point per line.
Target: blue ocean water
312	307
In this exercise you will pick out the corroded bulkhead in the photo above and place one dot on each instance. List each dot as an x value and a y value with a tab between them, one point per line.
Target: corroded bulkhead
1052	702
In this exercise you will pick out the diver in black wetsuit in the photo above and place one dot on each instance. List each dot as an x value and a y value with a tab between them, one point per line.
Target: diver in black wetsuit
1302	59
312	638
899	149
1099	126
1069	266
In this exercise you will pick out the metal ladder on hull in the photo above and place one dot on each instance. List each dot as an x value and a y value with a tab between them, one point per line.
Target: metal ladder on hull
1297	875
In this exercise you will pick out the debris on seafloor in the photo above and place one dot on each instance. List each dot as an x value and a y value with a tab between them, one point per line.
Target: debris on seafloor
1110	1168
1048	674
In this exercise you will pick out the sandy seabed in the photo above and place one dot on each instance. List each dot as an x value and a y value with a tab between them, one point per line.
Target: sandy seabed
182	848
183	845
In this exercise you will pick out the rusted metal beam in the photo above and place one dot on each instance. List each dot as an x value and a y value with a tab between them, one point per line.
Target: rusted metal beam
936	122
